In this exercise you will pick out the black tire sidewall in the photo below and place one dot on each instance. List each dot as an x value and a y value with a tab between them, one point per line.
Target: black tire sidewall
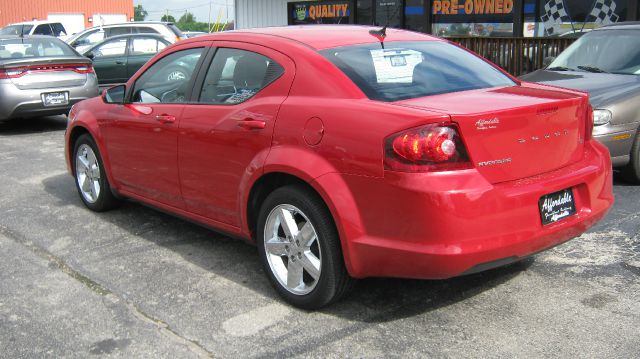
105	199
332	266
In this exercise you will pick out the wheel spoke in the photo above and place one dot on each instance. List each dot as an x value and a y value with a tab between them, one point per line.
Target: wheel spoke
288	223
294	275
82	160
95	171
95	189
311	264
307	235
86	183
276	247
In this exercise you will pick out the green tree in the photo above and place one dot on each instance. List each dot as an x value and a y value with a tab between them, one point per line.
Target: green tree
168	18
139	13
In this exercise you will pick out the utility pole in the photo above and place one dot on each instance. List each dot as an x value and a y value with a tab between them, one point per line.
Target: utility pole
209	27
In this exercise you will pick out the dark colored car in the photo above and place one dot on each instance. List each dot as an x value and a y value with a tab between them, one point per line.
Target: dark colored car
117	58
606	63
343	157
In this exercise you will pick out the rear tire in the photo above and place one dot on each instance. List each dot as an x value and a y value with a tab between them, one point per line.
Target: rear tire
300	248
90	177
631	172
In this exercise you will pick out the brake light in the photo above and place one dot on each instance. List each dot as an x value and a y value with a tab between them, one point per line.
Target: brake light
588	123
434	147
15	72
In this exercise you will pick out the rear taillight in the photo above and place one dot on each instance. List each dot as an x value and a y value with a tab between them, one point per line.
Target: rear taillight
588	123
15	72
435	147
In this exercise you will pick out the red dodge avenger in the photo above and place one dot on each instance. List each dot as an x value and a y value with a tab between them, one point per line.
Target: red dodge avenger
346	152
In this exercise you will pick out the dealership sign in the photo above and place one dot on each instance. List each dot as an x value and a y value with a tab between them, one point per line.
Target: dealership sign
472	7
325	12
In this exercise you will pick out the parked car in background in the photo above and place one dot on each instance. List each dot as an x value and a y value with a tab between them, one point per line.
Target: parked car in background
84	39
341	156
42	75
116	58
606	63
35	28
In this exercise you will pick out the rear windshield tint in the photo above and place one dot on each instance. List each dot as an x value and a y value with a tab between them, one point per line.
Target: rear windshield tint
34	47
16	29
175	30
405	70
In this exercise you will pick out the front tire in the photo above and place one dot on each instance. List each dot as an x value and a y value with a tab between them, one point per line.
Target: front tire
300	248
91	180
631	172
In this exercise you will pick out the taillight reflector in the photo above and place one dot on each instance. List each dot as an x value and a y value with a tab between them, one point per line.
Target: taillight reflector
434	147
15	72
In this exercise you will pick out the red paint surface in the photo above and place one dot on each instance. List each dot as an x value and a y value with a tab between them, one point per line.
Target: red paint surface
391	223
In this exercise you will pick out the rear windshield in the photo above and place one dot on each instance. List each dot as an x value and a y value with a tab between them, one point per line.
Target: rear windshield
175	30
16	29
405	70
34	47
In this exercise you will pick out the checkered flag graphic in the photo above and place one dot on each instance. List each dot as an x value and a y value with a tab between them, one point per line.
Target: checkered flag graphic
554	15
603	13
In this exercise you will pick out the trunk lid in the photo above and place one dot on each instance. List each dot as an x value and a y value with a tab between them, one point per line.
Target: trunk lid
44	73
515	132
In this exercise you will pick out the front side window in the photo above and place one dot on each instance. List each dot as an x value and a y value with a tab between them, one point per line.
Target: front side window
111	48
90	38
237	75
167	80
601	51
404	70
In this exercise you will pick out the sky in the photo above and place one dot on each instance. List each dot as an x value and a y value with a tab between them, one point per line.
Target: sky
199	8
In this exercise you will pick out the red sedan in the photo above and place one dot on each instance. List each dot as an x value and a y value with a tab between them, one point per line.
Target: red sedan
346	152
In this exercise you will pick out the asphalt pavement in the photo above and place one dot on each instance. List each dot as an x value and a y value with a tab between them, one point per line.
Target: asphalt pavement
138	283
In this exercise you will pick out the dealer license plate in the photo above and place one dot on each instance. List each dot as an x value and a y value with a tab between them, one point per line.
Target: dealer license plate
557	206
55	98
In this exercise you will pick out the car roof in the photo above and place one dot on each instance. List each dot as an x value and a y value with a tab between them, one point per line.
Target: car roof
320	37
628	25
37	22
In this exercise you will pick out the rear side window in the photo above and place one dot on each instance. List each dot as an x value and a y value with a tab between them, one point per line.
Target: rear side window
146	30
43	29
237	75
114	48
145	46
34	47
58	29
115	31
16	30
404	70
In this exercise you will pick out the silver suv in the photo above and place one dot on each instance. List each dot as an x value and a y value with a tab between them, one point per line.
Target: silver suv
85	39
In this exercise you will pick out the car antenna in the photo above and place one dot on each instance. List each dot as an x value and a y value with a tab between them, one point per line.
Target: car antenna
382	33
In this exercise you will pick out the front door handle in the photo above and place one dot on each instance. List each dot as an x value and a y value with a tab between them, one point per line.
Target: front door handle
164	118
118	62
251	124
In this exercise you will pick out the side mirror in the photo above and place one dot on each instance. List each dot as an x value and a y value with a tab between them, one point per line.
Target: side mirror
114	94
548	60
90	55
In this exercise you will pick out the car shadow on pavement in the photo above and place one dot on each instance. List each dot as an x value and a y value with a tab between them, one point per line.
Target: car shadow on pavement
371	301
24	126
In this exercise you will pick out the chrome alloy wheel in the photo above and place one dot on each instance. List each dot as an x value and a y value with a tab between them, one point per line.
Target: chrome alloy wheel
292	249
88	173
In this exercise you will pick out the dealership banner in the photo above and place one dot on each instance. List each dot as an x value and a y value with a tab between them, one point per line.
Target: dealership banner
471	11
319	12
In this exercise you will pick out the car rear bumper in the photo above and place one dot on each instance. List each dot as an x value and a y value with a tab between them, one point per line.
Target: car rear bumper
441	225
16	103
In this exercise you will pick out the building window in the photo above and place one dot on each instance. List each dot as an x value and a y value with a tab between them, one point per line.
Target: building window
473	18
388	13
364	13
414	18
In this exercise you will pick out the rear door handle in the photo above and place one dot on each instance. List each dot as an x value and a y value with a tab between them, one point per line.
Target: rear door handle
251	124
165	118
